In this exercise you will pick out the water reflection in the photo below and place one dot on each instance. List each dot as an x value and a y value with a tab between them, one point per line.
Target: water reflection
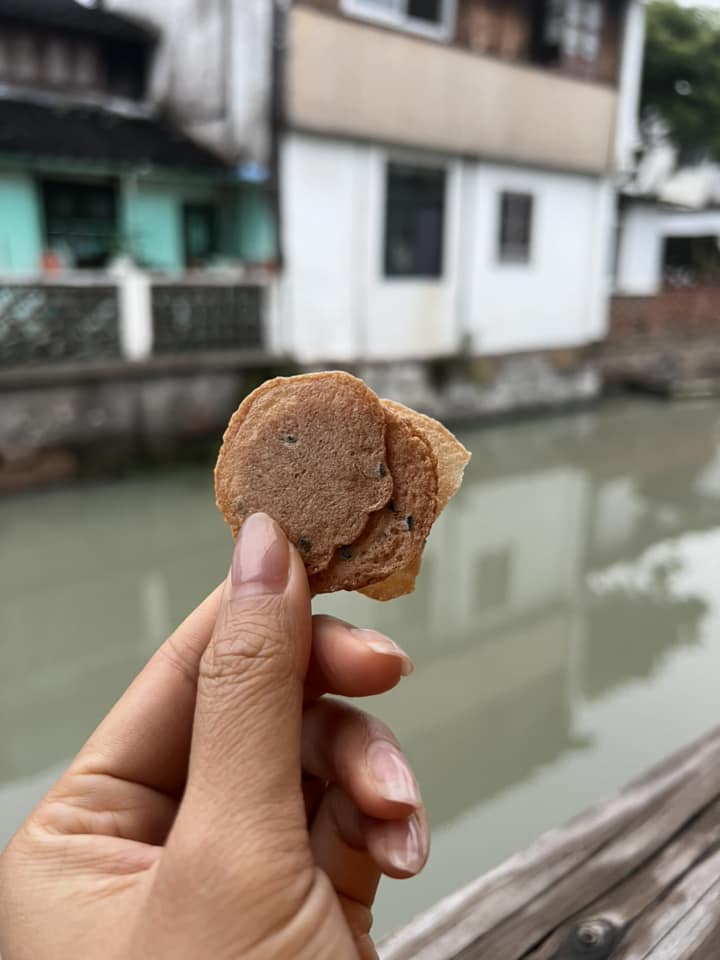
567	594
631	632
90	581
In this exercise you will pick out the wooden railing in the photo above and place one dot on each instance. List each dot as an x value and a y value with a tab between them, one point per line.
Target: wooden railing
637	878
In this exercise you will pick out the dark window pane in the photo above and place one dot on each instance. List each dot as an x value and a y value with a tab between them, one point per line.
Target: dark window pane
515	227
126	66
492	585
80	221
200	232
414	221
691	260
428	10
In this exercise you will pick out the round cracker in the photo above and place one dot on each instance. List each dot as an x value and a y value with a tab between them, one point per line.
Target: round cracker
310	452
452	458
395	535
398	584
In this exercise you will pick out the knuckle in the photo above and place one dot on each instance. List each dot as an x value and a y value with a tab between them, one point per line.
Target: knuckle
376	729
247	641
363	725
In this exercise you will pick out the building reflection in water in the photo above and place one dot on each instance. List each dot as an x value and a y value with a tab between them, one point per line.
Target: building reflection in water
514	631
508	637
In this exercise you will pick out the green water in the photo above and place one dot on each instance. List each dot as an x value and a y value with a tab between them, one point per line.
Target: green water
566	630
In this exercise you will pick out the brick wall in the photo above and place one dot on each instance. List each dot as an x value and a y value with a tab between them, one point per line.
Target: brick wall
678	312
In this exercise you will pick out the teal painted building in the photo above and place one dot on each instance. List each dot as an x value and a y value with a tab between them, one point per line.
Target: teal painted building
88	173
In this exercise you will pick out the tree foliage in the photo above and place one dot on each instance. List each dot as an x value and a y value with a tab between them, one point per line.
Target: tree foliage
681	83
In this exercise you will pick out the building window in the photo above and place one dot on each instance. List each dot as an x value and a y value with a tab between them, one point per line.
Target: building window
492	582
515	234
414	221
572	30
691	261
80	222
435	18
199	233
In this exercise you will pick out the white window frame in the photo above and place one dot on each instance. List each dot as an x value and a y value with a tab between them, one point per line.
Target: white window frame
397	17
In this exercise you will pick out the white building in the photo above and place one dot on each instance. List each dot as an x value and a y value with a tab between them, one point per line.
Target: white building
669	226
448	174
446	169
213	70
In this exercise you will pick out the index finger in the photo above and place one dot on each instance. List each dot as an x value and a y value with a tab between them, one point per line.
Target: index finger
145	739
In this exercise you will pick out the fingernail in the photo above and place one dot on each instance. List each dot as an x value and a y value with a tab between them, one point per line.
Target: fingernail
261	559
393	776
382	644
405	846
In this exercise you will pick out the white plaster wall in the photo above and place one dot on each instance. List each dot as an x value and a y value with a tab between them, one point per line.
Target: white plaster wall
639	262
627	137
644	227
213	69
337	304
560	297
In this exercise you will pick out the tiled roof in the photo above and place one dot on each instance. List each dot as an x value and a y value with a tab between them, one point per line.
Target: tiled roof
70	15
91	133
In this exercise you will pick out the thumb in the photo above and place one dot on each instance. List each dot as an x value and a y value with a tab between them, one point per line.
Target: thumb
243	802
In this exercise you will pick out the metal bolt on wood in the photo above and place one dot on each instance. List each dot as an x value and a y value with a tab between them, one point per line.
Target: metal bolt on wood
594	939
591	939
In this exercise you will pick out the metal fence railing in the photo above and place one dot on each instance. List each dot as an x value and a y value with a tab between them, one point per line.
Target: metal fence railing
53	323
191	316
133	316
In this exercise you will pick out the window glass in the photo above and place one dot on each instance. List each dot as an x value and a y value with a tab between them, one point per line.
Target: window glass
200	233
421	15
515	234
429	10
80	221
414	221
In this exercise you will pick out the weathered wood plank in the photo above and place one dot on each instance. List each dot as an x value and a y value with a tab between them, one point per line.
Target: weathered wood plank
695	937
645	892
657	923
657	829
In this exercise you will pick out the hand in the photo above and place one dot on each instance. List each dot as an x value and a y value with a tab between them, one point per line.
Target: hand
223	809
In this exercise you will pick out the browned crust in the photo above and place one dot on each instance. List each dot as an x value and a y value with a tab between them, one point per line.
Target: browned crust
398	584
394	536
309	451
452	458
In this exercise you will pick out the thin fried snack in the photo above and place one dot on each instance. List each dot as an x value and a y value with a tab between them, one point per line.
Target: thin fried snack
452	458
398	584
395	535
309	451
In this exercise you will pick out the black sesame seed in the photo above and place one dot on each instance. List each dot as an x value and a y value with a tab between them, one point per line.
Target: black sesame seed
304	544
289	439
380	470
391	507
346	553
409	520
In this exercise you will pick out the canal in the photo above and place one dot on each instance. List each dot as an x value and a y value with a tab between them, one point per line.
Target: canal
566	629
